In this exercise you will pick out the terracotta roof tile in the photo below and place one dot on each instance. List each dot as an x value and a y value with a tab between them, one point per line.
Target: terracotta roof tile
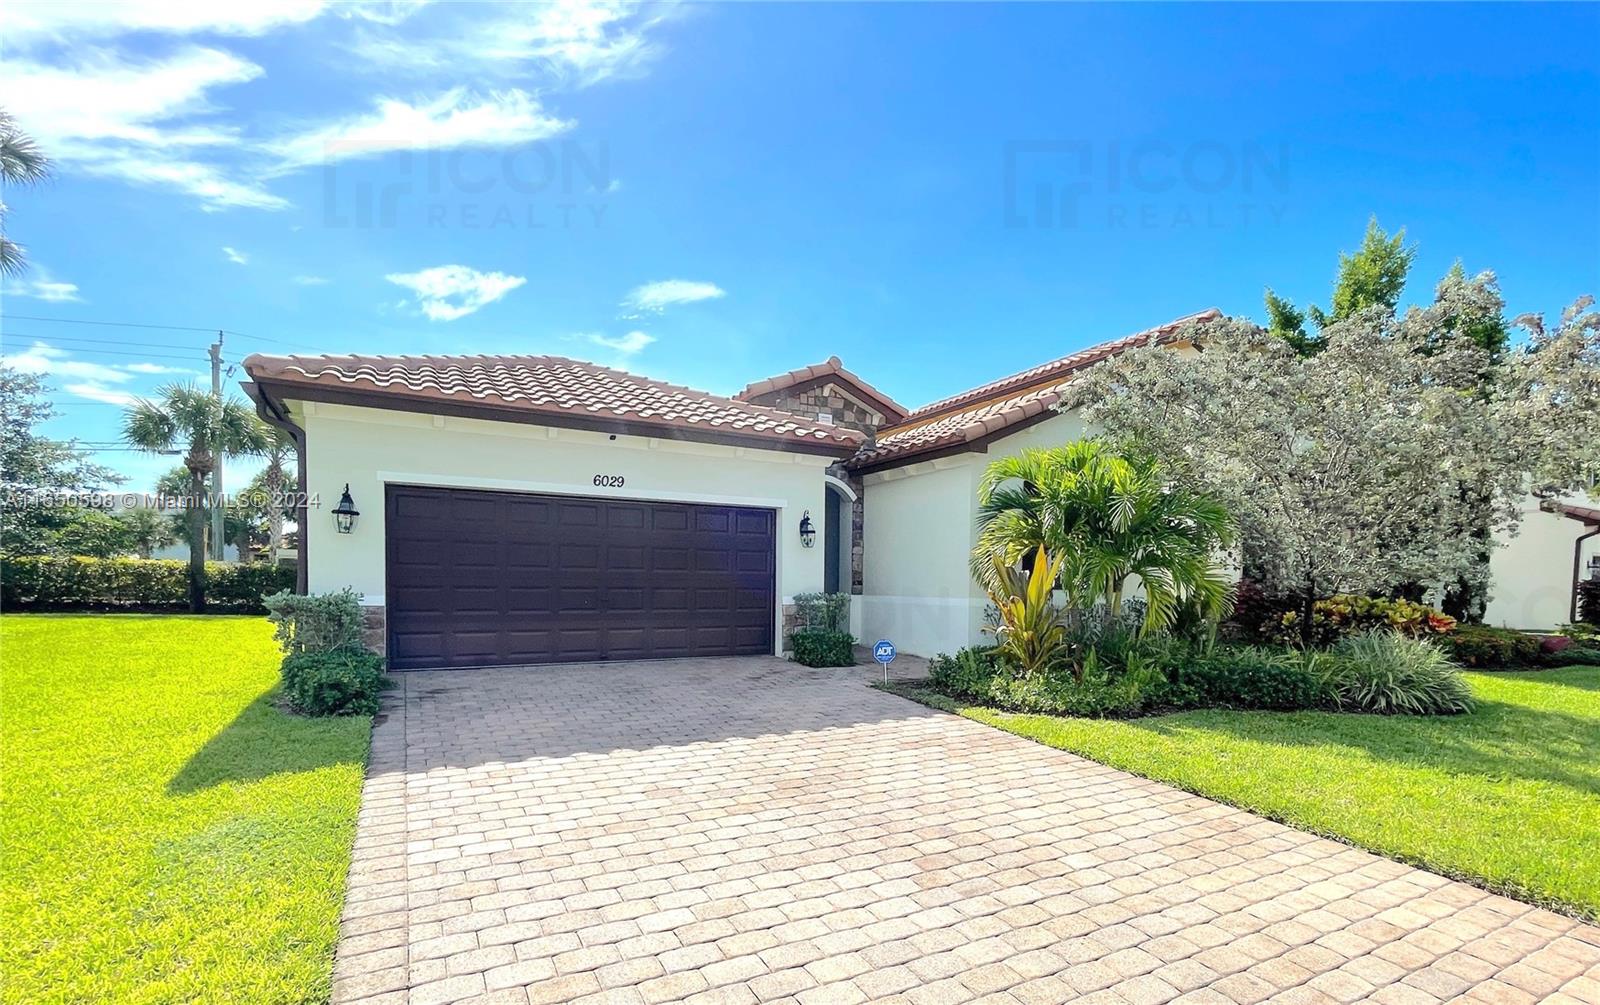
830	367
555	387
998	405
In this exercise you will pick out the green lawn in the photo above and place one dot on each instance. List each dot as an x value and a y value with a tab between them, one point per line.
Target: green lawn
1507	798
168	834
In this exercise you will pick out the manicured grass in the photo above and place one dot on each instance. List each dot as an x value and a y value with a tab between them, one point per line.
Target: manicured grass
1507	797
168	834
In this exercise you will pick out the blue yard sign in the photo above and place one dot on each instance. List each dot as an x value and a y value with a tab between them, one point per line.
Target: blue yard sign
883	651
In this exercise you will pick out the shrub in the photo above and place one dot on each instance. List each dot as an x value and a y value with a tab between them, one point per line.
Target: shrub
820	647
1483	646
1032	631
1345	615
1250	677
968	672
341	682
1386	672
1582	633
316	623
1589	602
1574	656
830	611
75	583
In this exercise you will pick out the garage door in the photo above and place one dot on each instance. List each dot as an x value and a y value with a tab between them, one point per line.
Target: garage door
499	578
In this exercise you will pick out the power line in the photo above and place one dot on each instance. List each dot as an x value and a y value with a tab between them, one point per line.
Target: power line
95	341
174	328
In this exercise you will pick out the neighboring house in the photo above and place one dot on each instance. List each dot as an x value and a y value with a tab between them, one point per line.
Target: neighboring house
535	509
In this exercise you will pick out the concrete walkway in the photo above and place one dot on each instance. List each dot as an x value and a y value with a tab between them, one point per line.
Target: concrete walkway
747	830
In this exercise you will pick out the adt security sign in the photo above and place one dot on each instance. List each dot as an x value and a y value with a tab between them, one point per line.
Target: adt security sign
883	651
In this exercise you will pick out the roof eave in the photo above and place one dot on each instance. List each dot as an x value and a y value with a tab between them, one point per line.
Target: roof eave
282	390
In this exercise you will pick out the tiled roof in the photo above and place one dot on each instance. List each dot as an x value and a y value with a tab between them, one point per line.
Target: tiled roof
1058	367
1582	514
565	391
830	367
986	411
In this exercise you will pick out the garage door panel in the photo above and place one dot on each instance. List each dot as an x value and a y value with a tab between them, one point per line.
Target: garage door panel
491	578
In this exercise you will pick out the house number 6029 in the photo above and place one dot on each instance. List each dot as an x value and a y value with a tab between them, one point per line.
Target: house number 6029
608	481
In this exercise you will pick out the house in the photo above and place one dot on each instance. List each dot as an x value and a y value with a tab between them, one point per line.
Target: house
503	510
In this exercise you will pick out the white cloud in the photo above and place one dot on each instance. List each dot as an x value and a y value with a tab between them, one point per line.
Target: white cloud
156	368
657	297
146	122
448	292
455	118
309	281
236	257
32	20
101	393
43	286
91	381
626	345
574	44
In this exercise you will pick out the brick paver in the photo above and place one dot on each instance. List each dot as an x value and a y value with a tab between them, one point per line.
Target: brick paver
746	830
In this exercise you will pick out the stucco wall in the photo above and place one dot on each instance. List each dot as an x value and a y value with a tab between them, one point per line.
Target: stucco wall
370	447
1531	585
921	525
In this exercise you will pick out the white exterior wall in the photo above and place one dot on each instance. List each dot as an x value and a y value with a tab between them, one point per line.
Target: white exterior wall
1531	574
369	448
920	527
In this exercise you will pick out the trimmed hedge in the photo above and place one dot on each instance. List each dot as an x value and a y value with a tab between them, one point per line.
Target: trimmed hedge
818	647
341	682
72	583
1486	648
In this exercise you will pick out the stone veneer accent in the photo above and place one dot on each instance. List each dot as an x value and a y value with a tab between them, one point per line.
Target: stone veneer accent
374	634
837	402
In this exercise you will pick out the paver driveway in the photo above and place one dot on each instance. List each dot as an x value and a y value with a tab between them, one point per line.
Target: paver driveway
747	830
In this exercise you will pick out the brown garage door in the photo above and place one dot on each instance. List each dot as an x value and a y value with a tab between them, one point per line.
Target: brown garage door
503	578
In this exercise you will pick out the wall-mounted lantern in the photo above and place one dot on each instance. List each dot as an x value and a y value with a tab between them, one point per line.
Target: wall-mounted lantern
808	533
344	514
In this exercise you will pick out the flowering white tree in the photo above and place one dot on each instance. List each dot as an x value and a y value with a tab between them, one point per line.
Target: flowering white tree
1547	401
1345	469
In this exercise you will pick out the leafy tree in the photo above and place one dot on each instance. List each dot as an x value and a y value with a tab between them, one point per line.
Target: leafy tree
236	520
1374	276
32	466
21	163
1105	518
206	427
1345	468
1547	400
147	530
93	532
270	484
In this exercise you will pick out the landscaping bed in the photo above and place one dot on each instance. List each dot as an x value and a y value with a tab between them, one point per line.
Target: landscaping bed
170	833
1507	797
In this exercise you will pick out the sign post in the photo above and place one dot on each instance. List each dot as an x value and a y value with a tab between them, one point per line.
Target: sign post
883	651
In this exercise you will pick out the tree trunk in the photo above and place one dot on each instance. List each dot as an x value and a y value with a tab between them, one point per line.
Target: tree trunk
1308	611
274	485
196	516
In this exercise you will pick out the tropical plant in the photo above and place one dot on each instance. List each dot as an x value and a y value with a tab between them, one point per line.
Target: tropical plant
281	450
148	531
206	427
1032	629
21	163
1385	672
1107	517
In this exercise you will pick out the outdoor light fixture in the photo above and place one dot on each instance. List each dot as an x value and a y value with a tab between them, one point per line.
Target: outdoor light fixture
344	514
808	533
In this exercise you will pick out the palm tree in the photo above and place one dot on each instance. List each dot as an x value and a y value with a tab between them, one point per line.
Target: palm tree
21	163
1107	517
280	451
183	416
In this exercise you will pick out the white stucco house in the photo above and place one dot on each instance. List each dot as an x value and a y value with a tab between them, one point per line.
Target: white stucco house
534	509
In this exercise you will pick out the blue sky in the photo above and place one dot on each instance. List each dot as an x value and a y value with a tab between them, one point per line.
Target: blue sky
709	194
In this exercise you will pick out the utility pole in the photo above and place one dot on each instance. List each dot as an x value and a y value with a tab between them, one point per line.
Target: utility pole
218	510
